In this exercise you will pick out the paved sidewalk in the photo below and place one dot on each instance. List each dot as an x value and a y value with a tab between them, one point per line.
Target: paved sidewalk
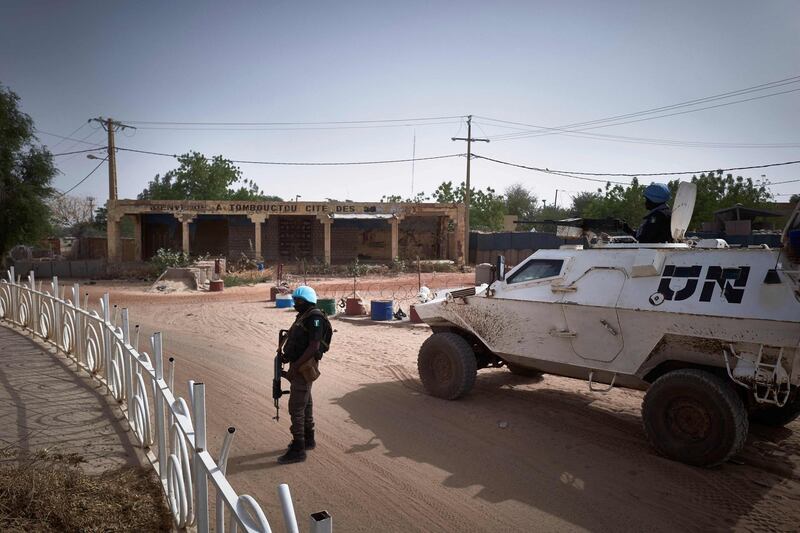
45	403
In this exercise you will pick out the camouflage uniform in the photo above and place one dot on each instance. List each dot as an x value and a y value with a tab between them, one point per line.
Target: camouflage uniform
307	327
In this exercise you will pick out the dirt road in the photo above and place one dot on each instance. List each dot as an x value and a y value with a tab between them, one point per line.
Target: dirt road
514	455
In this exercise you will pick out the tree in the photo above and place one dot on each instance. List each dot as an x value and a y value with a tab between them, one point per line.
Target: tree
715	192
520	202
486	208
396	198
794	198
200	178
618	201
581	203
26	171
68	211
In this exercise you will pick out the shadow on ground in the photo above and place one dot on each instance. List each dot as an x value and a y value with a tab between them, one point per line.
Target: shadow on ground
564	453
45	404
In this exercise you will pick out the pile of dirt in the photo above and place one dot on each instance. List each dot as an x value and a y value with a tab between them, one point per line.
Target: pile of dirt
50	492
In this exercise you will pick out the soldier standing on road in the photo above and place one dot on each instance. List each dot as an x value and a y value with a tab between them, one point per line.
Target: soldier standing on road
656	224
302	352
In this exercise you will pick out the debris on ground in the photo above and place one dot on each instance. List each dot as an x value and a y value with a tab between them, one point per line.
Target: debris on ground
45	491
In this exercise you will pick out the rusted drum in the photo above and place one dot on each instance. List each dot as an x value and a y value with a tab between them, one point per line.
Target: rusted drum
354	307
216	285
273	291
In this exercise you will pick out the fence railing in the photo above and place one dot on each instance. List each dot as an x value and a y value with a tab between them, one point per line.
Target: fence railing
170	429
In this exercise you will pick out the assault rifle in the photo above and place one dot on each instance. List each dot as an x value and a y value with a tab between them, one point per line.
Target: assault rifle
278	373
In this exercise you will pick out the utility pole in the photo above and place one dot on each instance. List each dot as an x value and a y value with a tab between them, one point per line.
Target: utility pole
111	125
469	140
555	203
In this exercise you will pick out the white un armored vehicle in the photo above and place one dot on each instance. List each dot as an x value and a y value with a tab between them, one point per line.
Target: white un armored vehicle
711	332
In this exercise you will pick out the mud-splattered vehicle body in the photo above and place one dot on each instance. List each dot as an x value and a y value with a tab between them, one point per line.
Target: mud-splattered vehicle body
713	334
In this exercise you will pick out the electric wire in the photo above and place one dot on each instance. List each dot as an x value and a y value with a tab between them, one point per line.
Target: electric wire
308	163
693	102
540	134
641	140
69	135
321	123
582	175
95	132
296	128
687	103
70	138
771	183
80	151
84	179
548	171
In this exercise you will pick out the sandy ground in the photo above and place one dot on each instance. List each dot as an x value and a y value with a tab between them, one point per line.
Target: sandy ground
513	455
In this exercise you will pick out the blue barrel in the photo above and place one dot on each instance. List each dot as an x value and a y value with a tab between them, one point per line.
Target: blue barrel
381	309
284	301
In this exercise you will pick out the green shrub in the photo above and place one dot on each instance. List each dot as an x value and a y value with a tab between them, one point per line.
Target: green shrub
166	258
246	278
398	265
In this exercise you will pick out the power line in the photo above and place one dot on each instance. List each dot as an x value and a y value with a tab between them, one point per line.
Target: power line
693	102
580	175
297	128
321	123
548	171
769	184
84	179
74	145
69	135
539	134
307	163
687	103
80	151
679	105
643	140
70	138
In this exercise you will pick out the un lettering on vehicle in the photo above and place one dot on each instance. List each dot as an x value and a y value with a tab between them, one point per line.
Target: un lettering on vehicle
731	281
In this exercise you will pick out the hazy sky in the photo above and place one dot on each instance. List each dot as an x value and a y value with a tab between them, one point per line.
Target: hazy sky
544	63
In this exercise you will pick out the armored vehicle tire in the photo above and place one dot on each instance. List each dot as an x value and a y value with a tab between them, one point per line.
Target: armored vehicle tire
777	416
695	417
447	366
522	371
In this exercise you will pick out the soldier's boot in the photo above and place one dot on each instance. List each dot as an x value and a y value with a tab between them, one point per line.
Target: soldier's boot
310	442
295	454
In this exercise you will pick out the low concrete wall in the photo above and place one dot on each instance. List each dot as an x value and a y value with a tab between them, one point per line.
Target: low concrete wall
82	268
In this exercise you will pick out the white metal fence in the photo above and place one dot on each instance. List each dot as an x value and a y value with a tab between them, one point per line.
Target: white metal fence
172	430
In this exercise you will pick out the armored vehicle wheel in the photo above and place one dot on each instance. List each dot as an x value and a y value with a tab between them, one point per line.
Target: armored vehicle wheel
447	366
522	371
777	416
695	417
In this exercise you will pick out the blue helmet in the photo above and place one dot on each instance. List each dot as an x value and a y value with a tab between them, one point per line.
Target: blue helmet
657	193
304	292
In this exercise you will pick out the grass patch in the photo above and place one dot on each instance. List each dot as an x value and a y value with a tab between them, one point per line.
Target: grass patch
50	492
246	278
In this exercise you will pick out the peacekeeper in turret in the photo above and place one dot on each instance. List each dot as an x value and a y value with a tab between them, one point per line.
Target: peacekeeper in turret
656	224
303	350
